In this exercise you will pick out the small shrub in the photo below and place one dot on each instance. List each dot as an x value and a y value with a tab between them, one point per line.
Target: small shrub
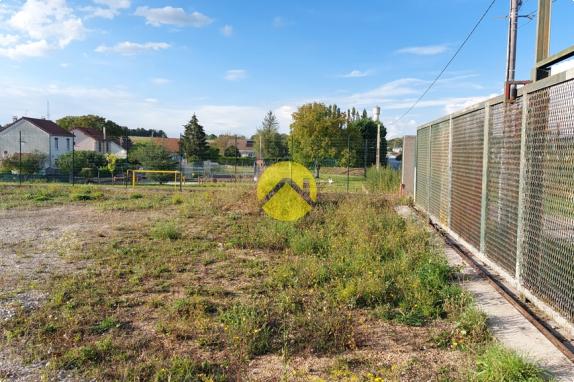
166	231
85	193
498	364
247	330
136	195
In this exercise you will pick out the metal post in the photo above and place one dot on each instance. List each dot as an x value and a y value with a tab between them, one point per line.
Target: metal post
484	200
449	185
73	160
543	36
511	49
236	152
378	145
20	160
521	185
365	157
349	157
429	179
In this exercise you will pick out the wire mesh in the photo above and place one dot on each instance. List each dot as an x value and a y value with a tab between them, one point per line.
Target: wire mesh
467	153
439	203
423	167
503	183
548	246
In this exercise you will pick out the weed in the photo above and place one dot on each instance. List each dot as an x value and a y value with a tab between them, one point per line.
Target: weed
166	231
498	364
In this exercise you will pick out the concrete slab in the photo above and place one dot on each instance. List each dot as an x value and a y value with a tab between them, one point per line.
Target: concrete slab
510	327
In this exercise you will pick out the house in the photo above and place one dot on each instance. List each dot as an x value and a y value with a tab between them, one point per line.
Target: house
246	148
169	144
88	139
35	135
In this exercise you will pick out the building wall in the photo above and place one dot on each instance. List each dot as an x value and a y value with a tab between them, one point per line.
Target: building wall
408	165
33	139
84	142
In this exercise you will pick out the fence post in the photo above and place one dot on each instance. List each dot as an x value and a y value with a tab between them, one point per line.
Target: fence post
484	194
430	171
416	167
449	175
521	186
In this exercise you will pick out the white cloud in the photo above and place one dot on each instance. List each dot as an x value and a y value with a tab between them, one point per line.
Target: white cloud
151	100
235	74
8	39
428	50
107	9
173	16
227	31
160	81
48	20
355	74
28	49
128	48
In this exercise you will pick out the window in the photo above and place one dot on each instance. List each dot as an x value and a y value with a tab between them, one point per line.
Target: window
68	144
56	143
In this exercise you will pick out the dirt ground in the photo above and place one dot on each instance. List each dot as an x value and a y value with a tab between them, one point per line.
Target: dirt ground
36	245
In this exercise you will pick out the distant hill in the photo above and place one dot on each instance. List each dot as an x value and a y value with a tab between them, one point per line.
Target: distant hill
396	143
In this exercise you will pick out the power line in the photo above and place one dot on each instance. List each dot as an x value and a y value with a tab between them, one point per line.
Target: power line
448	63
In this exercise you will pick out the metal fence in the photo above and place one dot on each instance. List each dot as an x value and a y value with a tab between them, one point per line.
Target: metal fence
499	177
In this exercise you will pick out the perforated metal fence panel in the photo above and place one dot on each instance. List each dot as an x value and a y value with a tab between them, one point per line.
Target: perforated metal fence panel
548	249
503	184
517	212
439	171
467	147
423	167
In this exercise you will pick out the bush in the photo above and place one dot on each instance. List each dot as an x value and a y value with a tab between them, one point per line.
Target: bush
166	231
498	364
81	160
31	163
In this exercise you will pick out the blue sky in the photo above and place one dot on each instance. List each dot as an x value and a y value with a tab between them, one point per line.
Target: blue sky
154	63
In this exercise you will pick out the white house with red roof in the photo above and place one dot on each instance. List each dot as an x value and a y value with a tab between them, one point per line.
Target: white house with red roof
35	135
88	139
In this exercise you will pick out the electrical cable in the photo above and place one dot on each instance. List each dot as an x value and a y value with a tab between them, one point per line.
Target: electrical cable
447	65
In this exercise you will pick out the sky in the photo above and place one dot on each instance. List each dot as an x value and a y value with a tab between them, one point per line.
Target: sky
153	64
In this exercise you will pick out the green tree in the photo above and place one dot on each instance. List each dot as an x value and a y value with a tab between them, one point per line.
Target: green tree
92	121
112	162
317	134
367	129
80	160
231	151
268	142
194	141
31	163
152	156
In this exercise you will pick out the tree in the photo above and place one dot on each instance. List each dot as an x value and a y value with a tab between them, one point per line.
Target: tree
112	161
80	160
141	132
30	163
194	142
152	156
368	132
93	122
268	142
231	151
316	134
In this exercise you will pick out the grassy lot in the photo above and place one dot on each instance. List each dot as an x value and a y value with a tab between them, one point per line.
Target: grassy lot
200	286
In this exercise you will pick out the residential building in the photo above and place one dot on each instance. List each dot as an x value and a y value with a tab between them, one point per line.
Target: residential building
35	135
246	148
88	139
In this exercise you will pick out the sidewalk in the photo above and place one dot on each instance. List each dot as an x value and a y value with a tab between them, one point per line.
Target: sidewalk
509	326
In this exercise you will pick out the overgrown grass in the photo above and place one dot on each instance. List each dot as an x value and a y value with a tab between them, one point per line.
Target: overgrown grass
384	180
498	364
214	284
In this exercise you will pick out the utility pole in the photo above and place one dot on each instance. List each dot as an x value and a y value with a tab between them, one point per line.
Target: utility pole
236	153
376	116
20	160
510	87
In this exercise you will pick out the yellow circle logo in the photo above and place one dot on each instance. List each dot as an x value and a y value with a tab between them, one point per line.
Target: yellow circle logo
287	191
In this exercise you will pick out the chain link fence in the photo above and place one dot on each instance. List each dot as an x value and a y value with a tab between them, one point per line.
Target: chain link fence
499	176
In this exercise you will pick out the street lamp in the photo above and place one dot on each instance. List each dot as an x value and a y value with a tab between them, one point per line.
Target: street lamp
376	116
